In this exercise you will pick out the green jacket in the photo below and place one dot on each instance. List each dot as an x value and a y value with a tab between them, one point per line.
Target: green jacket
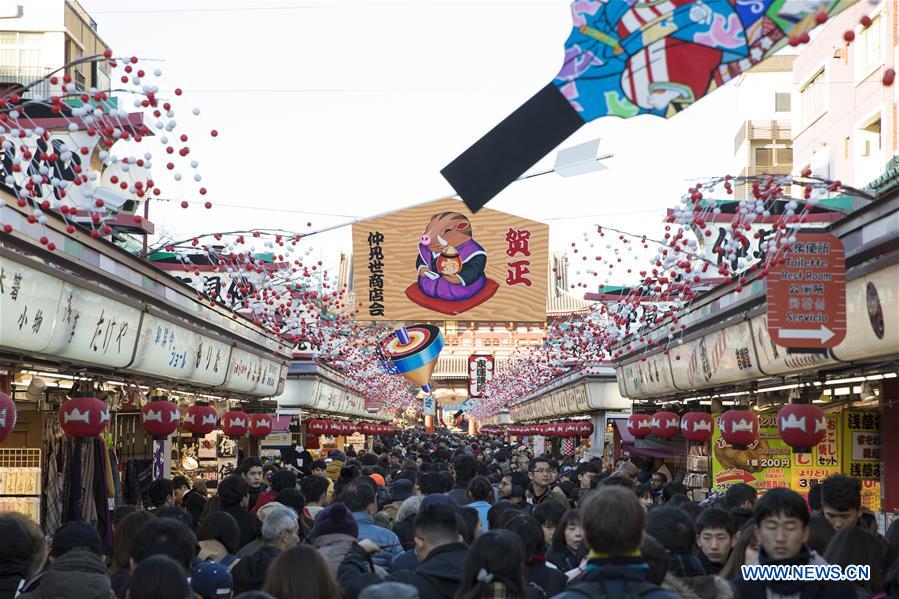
79	574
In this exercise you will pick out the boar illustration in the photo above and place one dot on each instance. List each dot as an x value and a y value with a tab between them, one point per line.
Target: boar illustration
447	239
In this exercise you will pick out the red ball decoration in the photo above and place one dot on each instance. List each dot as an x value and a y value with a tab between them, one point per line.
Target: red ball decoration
639	425
235	423
160	417
7	416
200	419
665	424
697	426
801	426
740	428
260	425
83	417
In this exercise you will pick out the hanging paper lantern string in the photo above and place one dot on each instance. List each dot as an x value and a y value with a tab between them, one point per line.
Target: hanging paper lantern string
234	423
160	418
83	417
801	426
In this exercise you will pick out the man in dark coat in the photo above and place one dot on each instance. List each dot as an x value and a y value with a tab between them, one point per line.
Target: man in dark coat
233	492
280	531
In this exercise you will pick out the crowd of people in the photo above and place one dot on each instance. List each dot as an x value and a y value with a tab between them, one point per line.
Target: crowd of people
453	517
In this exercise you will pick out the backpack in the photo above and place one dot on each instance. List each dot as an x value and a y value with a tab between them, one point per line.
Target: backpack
597	589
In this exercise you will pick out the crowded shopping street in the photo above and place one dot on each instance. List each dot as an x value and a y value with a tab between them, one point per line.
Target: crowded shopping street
353	299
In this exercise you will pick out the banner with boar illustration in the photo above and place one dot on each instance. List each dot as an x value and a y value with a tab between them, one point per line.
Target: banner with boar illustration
439	261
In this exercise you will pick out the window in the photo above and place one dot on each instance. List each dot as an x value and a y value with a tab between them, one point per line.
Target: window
867	48
784	156
763	157
812	98
782	102
20	52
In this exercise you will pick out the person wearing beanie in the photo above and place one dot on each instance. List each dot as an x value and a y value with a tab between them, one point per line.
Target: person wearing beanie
389	590
15	556
77	569
338	461
211	580
335	532
282	479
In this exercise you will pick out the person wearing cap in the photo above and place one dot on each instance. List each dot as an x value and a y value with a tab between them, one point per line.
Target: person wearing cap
211	580
77	569
400	491
21	555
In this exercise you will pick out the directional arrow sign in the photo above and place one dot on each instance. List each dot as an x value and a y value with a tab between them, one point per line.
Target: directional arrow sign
807	293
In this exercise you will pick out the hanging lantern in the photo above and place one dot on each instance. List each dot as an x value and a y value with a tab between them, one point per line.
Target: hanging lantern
160	417
317	427
584	428
199	419
697	426
7	416
235	423
740	428
801	426
260	425
664	424
639	425
83	417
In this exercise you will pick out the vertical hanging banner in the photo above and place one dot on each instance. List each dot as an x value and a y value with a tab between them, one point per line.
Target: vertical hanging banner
480	372
440	260
861	444
811	468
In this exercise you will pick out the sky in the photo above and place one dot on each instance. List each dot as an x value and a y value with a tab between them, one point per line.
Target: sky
351	108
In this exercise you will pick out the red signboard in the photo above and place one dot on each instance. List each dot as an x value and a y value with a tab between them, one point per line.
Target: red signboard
807	293
480	372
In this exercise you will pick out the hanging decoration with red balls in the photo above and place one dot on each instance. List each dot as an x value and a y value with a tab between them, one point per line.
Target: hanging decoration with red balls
739	427
697	427
160	417
260	425
235	423
665	424
639	425
200	419
7	416
801	426
83	417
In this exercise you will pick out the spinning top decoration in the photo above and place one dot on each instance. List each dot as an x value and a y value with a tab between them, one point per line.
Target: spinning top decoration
412	353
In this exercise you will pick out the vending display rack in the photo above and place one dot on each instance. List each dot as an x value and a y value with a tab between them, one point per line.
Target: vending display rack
20	481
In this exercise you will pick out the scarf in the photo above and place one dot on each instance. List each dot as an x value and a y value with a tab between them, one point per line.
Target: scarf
805	589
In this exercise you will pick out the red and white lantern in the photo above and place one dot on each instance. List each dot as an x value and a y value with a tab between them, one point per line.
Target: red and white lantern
160	417
7	416
235	423
665	424
697	426
200	419
801	426
317	427
740	428
260	425
83	417
639	425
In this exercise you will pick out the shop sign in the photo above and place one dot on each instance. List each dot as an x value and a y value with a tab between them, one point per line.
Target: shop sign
775	359
439	259
803	478
861	444
539	444
871	495
174	351
873	312
807	295
279	439
721	357
252	373
357	440
643	378
764	464
480	373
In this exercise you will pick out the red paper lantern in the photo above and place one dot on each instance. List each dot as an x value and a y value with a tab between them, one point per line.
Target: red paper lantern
7	416
260	425
83	417
235	423
697	426
317	427
665	424
199	419
740	428
801	426
160	417
583	428
639	425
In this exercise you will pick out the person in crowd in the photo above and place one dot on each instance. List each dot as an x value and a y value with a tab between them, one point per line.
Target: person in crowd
473	525
219	539
404	526
480	493
549	514
820	532
121	546
431	483
715	536
359	498
282	479
348	474
23	552
568	548
673	494
656	557
745	552
194	501
583	476
250	470
507	485
646	495
841	500
180	487
686	577
496	515
176	513
161	493
740	495
400	491
543	472
742	516
782	518
494	568
75	570
855	546
338	461
315	490
335	532
657	483
630	470
156	577
233	494
280	531
501	458
464	470
211	580
551	580
523	462
814	498
301	573
295	500
613	529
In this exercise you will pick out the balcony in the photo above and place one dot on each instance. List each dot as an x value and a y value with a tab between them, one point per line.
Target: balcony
763	130
13	78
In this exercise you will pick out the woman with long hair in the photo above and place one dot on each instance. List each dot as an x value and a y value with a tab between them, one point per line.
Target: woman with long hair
857	546
494	569
301	573
219	539
567	549
745	552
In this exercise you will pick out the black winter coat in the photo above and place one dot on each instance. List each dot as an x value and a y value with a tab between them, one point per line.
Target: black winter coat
249	573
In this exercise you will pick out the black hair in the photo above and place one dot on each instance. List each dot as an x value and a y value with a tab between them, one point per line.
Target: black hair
781	502
248	463
530	532
854	545
820	532
551	463
571	516
430	483
358	496
121	512
715	517
465	467
469	519
678	500
232	490
438	523
448	481
497	510
643	489
160	490
814	497
292	498
672	528
841	492
584	468
519	478
742	516
369	459
738	494
176	513
663	475
656	557
479	489
284	479
164	536
180	481
688	507
501	456
672	489
319	465
617	480
314	488
549	513
221	527
158	576
501	555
